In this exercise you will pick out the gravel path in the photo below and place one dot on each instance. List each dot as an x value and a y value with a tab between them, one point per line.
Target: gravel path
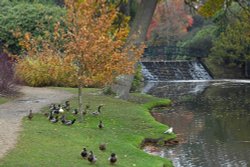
11	113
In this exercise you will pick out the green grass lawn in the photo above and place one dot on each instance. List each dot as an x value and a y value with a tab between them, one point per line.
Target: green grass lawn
3	100
42	143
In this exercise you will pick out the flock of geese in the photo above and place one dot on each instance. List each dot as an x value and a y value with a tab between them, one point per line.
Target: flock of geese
57	113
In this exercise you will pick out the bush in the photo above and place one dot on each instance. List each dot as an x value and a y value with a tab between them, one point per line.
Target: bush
19	17
45	71
7	81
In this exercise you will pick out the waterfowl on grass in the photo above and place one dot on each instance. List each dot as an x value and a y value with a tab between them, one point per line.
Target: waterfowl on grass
169	131
84	153
102	147
112	158
85	111
66	105
30	116
100	125
61	110
75	112
98	110
54	119
68	122
91	157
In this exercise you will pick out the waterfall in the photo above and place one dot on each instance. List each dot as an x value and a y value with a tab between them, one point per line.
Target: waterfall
174	70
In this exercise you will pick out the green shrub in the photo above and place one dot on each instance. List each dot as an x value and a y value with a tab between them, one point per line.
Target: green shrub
23	17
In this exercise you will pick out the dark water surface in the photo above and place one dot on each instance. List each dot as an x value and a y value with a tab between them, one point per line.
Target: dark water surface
211	120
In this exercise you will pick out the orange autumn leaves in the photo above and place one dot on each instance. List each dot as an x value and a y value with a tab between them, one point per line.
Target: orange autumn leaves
89	50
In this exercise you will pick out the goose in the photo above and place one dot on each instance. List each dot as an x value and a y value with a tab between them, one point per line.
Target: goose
30	116
112	158
84	153
100	125
170	130
91	157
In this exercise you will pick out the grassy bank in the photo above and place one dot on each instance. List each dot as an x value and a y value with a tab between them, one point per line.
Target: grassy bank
126	125
3	100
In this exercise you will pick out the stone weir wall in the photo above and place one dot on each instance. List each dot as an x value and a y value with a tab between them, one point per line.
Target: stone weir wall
174	70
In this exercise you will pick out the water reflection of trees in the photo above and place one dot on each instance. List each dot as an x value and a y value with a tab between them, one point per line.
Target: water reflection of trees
229	108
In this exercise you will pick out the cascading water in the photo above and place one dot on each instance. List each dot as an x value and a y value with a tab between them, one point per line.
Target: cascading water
174	70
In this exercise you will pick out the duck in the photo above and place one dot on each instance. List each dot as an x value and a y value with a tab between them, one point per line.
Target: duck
91	157
55	110
102	147
112	158
86	109
54	119
68	122
100	125
30	115
169	131
98	110
66	105
84	153
75	112
50	115
52	107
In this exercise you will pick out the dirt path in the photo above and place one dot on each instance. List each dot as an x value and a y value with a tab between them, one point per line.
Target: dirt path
11	113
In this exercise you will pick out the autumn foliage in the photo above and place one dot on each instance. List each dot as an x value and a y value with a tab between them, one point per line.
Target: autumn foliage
90	51
169	23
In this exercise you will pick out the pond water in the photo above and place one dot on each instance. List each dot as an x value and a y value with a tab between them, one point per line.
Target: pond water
211	120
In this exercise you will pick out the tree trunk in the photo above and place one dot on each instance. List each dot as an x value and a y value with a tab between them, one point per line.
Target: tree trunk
137	35
80	100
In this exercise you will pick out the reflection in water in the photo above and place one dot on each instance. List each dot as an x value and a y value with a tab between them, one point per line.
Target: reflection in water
212	124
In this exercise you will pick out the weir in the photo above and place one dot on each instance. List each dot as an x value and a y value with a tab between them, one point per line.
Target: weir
174	70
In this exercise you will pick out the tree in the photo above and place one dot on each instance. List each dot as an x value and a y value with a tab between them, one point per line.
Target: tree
92	48
137	35
169	23
232	46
